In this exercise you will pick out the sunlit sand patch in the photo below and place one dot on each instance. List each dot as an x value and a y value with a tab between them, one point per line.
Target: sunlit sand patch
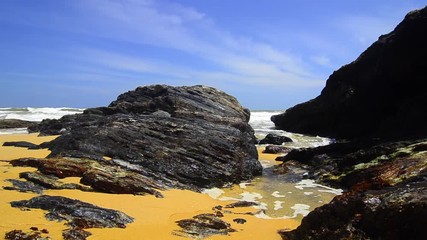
154	218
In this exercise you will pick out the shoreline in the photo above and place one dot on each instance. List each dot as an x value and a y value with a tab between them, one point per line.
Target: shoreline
154	217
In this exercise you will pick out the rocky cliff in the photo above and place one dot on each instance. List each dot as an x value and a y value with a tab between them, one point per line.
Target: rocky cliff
378	103
380	94
154	137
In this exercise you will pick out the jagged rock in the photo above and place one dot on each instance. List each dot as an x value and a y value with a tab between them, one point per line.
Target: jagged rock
239	220
15	123
76	213
24	186
21	235
203	225
392	213
275	139
23	144
367	164
241	204
100	176
274	149
381	94
377	102
386	185
50	182
185	137
75	234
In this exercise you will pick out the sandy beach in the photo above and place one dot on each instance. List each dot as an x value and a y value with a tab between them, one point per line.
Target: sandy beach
155	218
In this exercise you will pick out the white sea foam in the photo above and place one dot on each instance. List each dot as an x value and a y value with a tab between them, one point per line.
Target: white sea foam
278	205
302	209
277	194
37	114
261	123
214	193
308	183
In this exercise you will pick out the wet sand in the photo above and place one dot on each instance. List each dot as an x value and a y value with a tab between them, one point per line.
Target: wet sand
154	217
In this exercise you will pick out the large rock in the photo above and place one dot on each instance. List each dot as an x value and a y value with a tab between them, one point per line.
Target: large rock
377	103
381	94
381	214
15	123
386	194
186	137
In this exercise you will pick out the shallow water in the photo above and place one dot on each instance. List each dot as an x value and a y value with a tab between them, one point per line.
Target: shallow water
279	196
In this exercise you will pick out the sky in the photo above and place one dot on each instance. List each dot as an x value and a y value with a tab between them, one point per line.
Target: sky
269	54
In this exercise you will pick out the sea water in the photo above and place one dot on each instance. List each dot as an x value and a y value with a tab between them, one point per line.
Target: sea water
279	196
34	115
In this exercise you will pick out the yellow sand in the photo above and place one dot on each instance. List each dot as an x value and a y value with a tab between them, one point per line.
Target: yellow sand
154	217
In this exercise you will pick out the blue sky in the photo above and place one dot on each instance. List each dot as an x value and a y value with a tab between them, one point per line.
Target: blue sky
270	54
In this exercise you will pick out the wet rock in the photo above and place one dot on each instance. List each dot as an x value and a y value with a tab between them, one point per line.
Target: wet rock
22	144
50	182
380	94
365	164
392	213
385	184
24	186
100	176
239	220
75	234
182	137
275	139
241	204
203	225
21	235
15	123
76	213
274	149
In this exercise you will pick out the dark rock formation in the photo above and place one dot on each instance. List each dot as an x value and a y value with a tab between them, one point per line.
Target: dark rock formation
75	234
378	103
382	214
100	176
203	225
275	139
274	149
186	137
241	204
21	235
381	94
24	186
15	123
386	194
22	144
78	215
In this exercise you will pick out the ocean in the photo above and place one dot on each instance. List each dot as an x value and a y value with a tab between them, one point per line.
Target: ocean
260	122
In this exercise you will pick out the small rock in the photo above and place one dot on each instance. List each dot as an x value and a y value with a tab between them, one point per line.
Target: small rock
275	139
204	225
239	220
274	149
22	144
242	204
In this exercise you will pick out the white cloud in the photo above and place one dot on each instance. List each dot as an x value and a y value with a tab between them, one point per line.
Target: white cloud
181	28
321	60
